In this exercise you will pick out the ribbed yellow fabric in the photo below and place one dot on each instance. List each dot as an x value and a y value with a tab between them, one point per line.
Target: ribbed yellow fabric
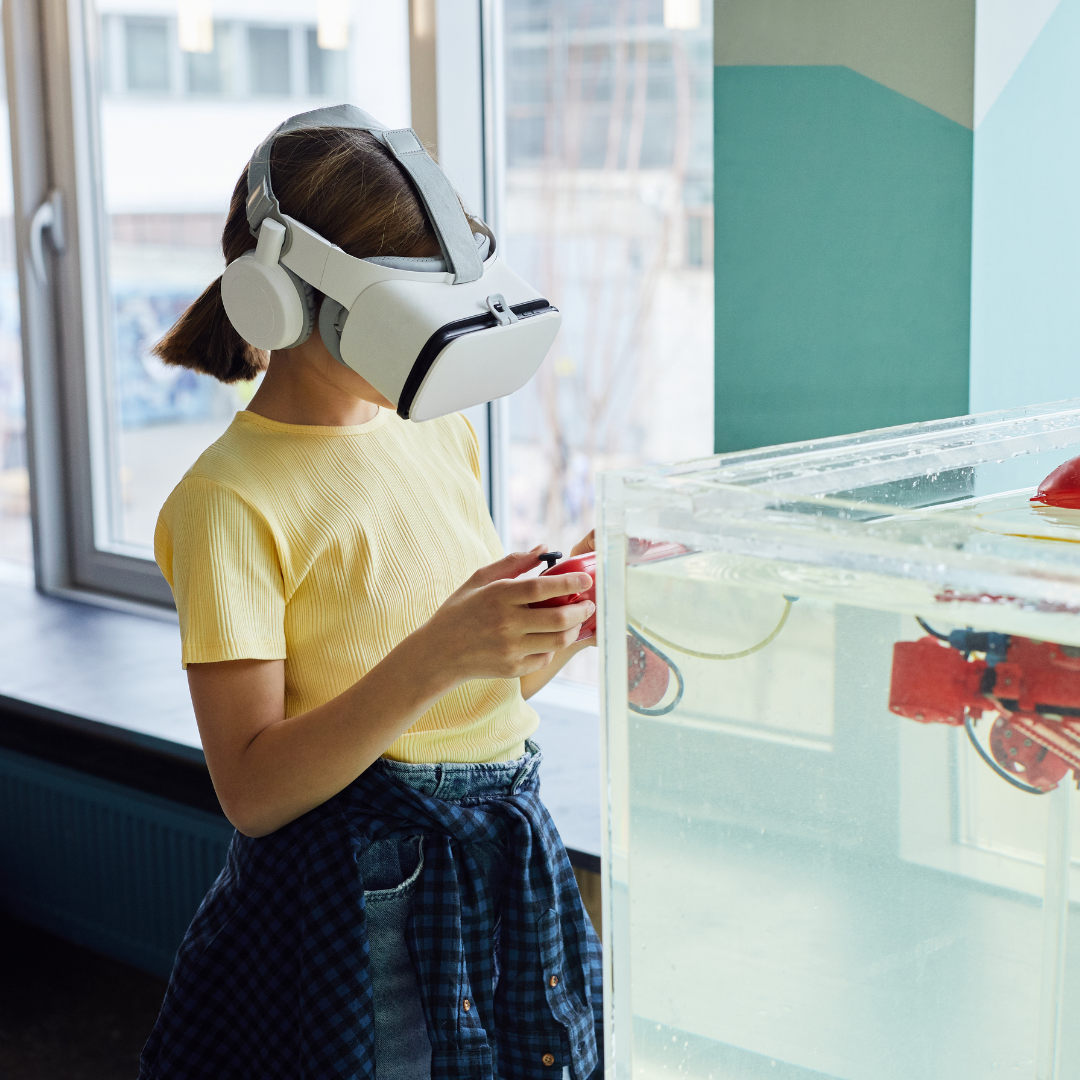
325	547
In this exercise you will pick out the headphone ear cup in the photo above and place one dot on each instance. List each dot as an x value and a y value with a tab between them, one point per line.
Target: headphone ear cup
332	318
268	305
307	304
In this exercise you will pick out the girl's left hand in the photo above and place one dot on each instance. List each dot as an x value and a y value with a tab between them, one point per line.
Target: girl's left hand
584	546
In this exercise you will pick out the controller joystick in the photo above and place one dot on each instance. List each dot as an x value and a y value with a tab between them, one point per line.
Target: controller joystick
551	558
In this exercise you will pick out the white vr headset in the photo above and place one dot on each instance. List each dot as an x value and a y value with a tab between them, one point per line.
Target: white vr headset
434	335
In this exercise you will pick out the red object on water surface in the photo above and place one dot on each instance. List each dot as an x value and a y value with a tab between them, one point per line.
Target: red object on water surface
1061	487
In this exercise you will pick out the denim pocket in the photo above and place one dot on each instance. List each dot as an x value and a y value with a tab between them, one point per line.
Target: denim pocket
391	868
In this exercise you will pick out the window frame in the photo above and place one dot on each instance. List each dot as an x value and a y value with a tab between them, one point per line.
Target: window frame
52	52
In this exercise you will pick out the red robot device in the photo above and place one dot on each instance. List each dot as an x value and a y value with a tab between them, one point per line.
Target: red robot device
1032	687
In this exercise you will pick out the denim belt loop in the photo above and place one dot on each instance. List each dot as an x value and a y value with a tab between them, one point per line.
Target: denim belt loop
533	757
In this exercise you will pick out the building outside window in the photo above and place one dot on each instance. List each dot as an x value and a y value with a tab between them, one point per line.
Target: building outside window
147	54
269	61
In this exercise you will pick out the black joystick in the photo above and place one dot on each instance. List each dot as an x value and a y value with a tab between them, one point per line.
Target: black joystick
551	558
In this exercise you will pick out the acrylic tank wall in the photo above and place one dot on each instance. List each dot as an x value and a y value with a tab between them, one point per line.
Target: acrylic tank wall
838	839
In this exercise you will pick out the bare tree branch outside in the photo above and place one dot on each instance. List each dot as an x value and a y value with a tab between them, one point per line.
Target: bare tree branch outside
609	211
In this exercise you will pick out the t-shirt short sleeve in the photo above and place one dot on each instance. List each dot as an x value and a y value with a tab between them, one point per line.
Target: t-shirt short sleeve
219	557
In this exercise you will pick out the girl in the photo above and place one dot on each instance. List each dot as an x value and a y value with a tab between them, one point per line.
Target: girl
396	900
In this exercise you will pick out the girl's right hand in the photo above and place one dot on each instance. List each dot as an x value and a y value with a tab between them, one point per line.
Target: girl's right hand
486	630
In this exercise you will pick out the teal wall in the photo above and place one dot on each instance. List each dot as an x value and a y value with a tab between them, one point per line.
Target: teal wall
843	256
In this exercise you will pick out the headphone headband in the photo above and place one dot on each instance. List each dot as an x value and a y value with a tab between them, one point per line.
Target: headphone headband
436	192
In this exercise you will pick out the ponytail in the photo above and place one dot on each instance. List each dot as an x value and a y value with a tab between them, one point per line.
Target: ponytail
204	340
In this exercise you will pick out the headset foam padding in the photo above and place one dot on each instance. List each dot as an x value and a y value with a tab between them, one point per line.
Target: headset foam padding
307	303
332	318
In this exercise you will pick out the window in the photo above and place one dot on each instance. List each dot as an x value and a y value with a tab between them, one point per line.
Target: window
14	476
326	69
159	111
146	48
587	141
211	72
608	210
268	60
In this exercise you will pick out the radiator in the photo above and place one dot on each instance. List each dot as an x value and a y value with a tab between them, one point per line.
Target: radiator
101	864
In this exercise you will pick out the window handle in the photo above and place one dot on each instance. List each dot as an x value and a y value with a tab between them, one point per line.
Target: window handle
49	215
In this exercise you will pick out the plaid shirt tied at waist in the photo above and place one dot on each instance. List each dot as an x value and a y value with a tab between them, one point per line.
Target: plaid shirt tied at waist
272	978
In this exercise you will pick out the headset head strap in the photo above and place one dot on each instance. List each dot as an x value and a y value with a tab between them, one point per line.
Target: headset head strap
436	192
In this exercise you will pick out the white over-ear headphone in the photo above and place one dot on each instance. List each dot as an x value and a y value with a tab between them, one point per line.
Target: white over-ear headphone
433	335
268	304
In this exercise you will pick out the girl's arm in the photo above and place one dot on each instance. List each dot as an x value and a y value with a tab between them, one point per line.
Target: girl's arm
268	769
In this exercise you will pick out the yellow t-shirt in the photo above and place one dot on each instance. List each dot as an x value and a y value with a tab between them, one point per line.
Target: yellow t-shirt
326	546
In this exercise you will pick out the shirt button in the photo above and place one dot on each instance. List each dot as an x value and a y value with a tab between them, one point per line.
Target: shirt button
466	1004
553	981
548	1059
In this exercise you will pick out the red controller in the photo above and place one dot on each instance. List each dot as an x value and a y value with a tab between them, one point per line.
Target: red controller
648	672
578	564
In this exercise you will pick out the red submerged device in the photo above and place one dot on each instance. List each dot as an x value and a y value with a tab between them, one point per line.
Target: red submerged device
649	670
1032	686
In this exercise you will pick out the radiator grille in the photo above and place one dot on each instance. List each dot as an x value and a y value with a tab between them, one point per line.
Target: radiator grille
101	864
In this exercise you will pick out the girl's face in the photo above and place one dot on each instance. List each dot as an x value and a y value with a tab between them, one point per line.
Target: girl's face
309	371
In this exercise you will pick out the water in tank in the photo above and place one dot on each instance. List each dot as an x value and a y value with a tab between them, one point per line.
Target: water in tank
841	693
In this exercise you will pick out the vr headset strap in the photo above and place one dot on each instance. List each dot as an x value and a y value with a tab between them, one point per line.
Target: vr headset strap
437	194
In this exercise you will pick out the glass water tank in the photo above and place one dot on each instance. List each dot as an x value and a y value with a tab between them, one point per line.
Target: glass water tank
841	695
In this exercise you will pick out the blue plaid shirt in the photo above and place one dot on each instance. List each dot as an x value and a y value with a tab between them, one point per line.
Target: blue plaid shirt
272	978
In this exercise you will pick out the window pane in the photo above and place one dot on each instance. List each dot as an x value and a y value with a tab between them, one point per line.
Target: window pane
146	47
211	72
608	210
168	173
14	478
268	60
326	69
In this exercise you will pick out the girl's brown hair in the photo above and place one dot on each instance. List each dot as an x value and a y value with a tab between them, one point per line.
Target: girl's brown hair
337	181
